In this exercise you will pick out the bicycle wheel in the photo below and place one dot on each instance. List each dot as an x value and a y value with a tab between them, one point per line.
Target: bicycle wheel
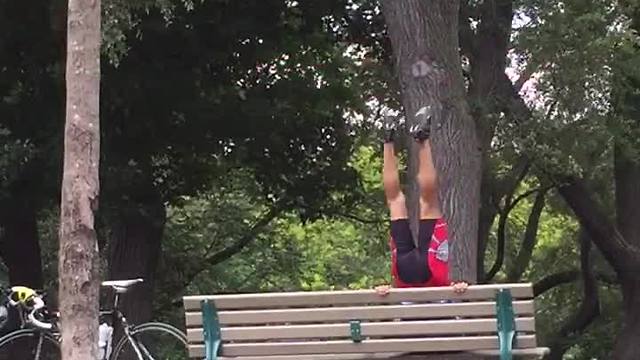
156	341
29	344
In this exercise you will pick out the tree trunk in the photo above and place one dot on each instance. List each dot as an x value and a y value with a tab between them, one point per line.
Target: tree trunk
424	37
619	253
20	246
589	309
78	267
486	50
488	59
623	257
135	246
627	345
627	177
486	218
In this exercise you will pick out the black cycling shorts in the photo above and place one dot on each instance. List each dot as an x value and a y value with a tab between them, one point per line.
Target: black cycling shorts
412	264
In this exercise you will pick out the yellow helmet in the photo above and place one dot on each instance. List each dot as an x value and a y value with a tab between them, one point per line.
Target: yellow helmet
21	294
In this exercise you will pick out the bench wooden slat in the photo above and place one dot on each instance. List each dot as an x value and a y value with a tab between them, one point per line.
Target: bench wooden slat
367	346
370	356
540	351
319	357
378	312
376	329
517	353
316	298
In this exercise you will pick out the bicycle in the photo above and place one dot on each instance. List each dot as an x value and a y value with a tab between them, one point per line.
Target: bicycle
38	336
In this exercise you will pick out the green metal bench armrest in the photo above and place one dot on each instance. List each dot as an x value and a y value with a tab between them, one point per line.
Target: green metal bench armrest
211	328
506	323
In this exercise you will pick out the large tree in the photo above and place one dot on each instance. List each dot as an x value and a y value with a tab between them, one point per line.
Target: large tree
424	37
79	275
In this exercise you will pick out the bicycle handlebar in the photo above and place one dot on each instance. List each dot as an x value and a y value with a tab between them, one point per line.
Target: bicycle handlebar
37	307
37	323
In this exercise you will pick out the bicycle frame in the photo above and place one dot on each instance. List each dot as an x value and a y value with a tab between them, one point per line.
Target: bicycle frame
117	317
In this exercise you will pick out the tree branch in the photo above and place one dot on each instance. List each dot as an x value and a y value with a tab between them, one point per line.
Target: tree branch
465	33
502	224
622	256
529	70
357	218
514	104
565	277
497	264
529	241
589	309
228	252
510	182
526	194
549	282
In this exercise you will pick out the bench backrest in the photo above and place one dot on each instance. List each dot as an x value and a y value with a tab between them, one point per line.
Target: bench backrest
360	321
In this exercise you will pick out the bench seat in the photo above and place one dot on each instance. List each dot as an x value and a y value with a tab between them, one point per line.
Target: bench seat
488	320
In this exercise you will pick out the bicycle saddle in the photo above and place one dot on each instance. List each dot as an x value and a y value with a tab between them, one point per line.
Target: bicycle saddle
121	286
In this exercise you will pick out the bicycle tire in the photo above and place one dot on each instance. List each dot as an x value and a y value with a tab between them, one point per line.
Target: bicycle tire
50	344
119	351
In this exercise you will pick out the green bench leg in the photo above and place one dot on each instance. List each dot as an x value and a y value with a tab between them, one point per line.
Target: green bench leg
211	328
506	323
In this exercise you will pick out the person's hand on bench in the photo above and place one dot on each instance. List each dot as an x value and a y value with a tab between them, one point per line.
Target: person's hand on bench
459	287
383	290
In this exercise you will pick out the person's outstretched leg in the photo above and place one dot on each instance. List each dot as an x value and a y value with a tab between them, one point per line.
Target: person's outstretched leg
391	178
430	211
428	183
427	176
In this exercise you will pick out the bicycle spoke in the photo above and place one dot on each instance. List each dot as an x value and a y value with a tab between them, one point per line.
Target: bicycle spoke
39	347
155	342
145	351
29	345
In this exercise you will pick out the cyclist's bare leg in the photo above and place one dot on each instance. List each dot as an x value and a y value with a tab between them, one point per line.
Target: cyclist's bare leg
391	183
427	183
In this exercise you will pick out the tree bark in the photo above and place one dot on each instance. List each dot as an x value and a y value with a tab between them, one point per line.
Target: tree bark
78	267
627	345
488	60
424	37
627	180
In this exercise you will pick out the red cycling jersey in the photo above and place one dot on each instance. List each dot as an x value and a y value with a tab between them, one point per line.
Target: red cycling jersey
437	259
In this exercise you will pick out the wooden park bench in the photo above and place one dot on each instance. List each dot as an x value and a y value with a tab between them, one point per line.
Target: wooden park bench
486	320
